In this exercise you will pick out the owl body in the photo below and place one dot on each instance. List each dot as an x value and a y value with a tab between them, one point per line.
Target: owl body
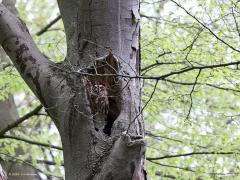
99	98
102	89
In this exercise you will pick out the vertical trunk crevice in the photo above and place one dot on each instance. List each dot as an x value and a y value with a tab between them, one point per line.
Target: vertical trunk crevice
103	89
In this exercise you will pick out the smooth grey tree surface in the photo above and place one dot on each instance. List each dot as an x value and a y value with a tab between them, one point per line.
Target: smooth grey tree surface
9	115
90	96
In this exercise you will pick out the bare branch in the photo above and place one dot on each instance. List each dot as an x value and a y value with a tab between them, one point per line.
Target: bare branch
207	28
161	77
150	98
19	45
191	99
160	137
235	21
20	120
159	63
14	159
148	133
191	154
191	170
51	163
170	166
207	84
158	173
33	142
49	25
190	47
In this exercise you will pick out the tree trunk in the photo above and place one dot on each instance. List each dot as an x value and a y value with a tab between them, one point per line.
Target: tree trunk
8	115
90	97
3	175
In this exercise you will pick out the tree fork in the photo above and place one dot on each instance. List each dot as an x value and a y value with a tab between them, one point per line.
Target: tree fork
103	35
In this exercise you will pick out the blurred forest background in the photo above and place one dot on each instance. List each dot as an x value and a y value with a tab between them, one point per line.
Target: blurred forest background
191	105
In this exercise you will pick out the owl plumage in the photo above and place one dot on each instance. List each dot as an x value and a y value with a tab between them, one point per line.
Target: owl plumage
103	92
99	98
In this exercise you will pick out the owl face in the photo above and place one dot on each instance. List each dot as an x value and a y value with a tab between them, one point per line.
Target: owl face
98	90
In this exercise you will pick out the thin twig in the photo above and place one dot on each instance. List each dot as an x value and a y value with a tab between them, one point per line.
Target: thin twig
20	120
150	98
50	24
14	159
202	24
171	166
207	84
32	142
235	21
191	99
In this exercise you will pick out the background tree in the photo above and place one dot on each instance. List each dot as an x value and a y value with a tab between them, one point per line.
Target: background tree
3	175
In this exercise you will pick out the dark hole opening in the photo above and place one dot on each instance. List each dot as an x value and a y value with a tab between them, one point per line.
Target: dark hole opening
113	113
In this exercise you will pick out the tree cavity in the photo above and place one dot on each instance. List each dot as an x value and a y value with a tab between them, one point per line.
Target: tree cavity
103	89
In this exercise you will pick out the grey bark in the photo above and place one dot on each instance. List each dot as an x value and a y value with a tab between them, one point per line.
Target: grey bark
14	170
8	115
8	112
3	175
95	111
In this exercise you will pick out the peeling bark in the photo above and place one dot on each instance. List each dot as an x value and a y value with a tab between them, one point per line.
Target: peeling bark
91	106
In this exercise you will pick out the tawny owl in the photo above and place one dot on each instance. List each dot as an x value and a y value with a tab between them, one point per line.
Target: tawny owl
99	98
101	89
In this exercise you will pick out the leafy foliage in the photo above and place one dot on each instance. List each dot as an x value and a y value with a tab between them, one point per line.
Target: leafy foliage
189	113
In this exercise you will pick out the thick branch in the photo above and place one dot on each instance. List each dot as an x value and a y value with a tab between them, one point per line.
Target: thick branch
160	77
19	45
